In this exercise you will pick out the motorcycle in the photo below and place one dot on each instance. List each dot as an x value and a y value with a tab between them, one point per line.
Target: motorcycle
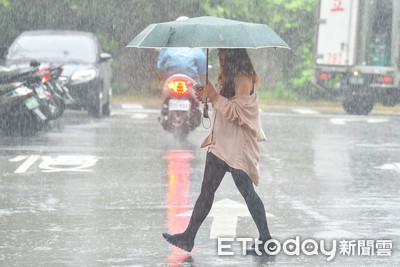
180	112
57	94
19	109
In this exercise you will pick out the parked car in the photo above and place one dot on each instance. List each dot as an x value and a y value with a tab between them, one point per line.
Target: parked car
86	72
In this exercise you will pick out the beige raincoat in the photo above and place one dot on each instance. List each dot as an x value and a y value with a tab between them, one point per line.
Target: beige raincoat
234	133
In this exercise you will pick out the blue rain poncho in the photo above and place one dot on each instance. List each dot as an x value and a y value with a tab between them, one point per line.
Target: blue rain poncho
188	61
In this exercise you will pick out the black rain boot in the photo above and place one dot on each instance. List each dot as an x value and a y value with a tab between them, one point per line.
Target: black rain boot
181	241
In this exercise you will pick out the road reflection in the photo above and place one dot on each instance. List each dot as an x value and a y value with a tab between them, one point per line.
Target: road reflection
178	199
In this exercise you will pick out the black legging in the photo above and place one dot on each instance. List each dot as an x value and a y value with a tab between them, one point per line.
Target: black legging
214	173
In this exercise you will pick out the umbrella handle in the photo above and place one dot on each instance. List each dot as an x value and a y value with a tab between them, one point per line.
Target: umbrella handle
205	109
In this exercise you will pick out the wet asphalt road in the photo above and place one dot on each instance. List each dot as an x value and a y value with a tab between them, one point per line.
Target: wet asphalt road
100	192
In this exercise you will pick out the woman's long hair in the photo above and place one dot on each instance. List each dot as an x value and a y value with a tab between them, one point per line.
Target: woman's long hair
236	61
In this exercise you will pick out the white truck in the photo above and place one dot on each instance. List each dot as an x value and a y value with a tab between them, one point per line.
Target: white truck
356	56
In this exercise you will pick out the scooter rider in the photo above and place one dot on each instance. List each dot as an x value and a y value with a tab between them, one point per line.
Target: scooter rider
189	61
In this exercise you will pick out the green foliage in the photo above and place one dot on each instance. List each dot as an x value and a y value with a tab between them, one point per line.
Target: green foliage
5	3
293	20
279	92
106	43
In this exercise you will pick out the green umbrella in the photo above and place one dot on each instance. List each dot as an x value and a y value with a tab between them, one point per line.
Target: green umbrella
207	32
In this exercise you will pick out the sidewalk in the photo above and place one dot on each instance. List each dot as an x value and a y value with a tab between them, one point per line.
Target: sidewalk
333	106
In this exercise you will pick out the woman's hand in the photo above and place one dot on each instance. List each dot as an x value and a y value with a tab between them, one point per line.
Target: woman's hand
206	91
210	92
199	93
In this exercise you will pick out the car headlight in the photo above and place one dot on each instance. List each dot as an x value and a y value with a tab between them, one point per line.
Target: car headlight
83	76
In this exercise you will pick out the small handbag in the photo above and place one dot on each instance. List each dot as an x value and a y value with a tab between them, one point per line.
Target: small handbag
260	133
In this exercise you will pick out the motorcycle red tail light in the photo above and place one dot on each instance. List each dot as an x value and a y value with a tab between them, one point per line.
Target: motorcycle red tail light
387	79
179	87
46	77
45	71
323	76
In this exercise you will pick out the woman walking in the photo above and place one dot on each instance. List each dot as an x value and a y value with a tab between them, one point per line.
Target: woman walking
232	144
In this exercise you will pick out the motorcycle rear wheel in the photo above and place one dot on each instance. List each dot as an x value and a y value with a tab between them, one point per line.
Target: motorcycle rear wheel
180	133
22	125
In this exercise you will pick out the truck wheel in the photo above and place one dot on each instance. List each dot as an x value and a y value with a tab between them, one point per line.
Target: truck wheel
359	106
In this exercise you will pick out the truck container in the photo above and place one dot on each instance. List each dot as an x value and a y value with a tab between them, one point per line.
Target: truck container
356	55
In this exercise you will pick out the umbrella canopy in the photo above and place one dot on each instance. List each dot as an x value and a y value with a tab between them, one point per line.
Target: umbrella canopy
207	32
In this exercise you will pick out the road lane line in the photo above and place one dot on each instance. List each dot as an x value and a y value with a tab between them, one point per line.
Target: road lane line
377	120
139	116
305	111
343	121
130	112
132	106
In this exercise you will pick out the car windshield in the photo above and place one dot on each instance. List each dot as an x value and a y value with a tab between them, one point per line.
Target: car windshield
63	48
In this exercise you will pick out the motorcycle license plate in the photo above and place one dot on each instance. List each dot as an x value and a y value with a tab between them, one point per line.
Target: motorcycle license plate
31	103
175	104
40	92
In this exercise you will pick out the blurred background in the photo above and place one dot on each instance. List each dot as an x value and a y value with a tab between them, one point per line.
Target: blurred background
115	23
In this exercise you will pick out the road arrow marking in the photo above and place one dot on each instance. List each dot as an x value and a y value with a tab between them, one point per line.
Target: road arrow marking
225	213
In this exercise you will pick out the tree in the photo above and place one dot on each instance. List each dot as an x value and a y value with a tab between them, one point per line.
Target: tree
293	20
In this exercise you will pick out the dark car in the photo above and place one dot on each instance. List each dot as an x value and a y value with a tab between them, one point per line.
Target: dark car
87	70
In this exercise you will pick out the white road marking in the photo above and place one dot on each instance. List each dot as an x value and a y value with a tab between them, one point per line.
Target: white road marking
133	111
27	163
148	111
225	213
132	106
139	116
377	120
393	166
17	158
64	163
305	111
136	111
343	121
